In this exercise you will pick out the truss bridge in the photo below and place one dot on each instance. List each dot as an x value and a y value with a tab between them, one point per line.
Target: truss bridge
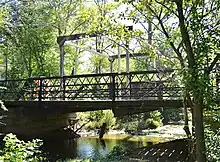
46	103
127	92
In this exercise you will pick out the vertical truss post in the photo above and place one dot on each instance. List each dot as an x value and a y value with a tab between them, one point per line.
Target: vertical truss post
40	89
119	70
150	34
61	42
119	60
61	60
130	86
127	57
160	90
111	64
76	59
127	67
113	87
64	88
159	86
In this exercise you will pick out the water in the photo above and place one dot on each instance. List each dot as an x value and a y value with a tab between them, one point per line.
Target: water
92	147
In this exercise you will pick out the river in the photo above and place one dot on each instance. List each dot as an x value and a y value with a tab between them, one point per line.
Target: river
92	147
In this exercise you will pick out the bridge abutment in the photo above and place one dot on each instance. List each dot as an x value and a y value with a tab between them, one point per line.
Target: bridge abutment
35	123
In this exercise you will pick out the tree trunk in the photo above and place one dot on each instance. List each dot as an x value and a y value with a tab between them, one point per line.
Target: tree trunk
199	132
186	119
102	130
194	79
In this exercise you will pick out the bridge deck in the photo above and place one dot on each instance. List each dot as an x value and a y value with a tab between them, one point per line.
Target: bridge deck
123	107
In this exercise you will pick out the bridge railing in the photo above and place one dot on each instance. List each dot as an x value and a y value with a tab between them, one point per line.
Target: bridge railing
148	85
151	85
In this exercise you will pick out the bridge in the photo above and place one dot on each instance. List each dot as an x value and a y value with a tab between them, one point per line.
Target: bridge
124	93
134	90
146	90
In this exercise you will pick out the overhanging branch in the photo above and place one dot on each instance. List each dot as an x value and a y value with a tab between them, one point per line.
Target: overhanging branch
210	68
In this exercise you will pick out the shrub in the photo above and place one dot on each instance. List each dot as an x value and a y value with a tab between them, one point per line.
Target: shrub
16	150
132	126
212	119
117	154
172	115
152	124
213	145
138	122
212	134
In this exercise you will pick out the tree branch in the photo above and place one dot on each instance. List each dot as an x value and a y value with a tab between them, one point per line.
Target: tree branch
185	34
176	50
210	68
179	55
163	5
77	27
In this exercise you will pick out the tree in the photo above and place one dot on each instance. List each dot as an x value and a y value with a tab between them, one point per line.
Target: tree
191	29
28	39
30	29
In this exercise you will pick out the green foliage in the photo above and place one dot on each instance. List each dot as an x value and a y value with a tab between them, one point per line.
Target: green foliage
213	145
137	122
117	154
129	126
153	120
172	115
212	118
16	150
212	134
152	124
95	119
29	40
99	63
30	29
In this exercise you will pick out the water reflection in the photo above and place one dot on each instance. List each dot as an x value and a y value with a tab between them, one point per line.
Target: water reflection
102	141
93	148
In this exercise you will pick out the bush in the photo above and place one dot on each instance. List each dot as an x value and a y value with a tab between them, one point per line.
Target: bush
152	124
213	145
16	150
212	119
132	126
117	154
172	115
138	122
